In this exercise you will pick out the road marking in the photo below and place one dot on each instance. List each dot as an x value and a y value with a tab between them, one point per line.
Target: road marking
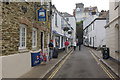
102	66
56	70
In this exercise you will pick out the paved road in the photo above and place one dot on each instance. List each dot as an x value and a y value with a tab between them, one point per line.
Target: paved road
80	64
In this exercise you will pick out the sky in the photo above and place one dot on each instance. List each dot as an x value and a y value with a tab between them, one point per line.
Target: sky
69	5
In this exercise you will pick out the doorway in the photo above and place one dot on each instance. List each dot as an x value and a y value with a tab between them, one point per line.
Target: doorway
42	41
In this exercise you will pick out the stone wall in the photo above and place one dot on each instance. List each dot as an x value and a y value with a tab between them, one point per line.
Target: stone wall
13	16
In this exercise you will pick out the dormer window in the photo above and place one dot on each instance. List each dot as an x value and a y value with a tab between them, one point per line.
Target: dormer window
90	8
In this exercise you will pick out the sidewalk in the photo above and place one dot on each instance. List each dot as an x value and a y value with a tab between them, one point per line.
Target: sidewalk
41	70
112	64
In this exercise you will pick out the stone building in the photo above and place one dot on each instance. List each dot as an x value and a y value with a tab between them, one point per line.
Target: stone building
113	29
81	12
22	35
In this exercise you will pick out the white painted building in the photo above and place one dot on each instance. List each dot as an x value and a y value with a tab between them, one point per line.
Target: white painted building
72	21
94	31
59	36
113	29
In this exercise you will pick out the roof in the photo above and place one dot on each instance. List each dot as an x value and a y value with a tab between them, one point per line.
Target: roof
103	14
67	14
92	9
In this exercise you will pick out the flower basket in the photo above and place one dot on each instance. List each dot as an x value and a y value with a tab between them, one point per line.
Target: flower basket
65	28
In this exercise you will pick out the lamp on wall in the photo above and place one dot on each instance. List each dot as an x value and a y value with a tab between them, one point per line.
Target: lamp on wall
24	9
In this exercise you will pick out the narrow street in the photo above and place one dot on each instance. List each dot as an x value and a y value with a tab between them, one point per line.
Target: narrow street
80	64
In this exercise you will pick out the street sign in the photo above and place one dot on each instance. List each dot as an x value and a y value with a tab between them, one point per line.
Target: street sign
41	14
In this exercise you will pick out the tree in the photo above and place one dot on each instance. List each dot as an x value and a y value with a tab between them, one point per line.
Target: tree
79	31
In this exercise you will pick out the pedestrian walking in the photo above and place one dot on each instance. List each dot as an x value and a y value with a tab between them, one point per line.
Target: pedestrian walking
51	49
74	44
66	46
79	46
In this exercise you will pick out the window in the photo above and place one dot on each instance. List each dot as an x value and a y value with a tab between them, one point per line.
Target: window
62	23
89	13
90	40
48	6
22	37
57	41
42	2
62	42
34	38
56	19
67	19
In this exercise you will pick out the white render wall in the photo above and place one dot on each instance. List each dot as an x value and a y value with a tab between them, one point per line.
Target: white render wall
98	33
112	31
14	66
72	22
0	67
58	28
87	21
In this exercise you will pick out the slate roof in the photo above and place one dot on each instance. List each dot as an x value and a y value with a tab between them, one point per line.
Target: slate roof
93	9
67	14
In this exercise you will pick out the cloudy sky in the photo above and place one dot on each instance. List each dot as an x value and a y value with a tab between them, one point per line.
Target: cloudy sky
69	5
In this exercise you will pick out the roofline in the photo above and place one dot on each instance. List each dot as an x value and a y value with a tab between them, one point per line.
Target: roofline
94	21
60	15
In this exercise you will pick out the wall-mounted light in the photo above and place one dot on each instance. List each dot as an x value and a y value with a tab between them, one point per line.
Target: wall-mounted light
24	9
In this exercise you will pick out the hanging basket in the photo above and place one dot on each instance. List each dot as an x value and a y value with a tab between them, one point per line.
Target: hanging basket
65	28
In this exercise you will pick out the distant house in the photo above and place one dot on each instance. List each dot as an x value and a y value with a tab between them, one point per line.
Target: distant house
81	12
113	29
94	31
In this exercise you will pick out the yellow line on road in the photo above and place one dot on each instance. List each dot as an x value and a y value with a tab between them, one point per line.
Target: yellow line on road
56	70
106	71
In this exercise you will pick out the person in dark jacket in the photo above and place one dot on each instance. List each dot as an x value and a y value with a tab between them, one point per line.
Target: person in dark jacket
51	49
79	46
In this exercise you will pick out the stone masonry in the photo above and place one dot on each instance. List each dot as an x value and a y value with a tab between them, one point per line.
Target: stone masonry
13	14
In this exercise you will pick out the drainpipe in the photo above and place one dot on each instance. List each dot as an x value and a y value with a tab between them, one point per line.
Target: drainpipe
119	33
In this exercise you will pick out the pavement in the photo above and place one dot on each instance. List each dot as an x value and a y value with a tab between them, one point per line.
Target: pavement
80	65
110	63
41	70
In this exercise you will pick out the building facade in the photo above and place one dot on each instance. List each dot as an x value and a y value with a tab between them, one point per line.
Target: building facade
72	21
22	35
113	29
81	12
94	32
59	35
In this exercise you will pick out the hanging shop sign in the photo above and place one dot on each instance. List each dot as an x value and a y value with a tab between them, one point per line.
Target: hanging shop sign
41	14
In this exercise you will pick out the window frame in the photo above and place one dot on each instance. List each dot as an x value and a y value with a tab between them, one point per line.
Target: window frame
56	19
20	36
34	39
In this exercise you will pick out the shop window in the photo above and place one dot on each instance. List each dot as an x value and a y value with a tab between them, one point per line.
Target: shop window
57	41
62	42
22	36
67	19
34	38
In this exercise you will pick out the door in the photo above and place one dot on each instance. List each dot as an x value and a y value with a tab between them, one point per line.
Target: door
93	42
42	41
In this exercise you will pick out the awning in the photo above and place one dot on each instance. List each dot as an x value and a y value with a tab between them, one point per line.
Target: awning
55	32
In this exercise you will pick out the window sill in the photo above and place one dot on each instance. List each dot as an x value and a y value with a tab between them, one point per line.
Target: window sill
34	49
23	50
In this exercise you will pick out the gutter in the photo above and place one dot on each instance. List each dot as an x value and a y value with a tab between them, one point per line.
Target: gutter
94	21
